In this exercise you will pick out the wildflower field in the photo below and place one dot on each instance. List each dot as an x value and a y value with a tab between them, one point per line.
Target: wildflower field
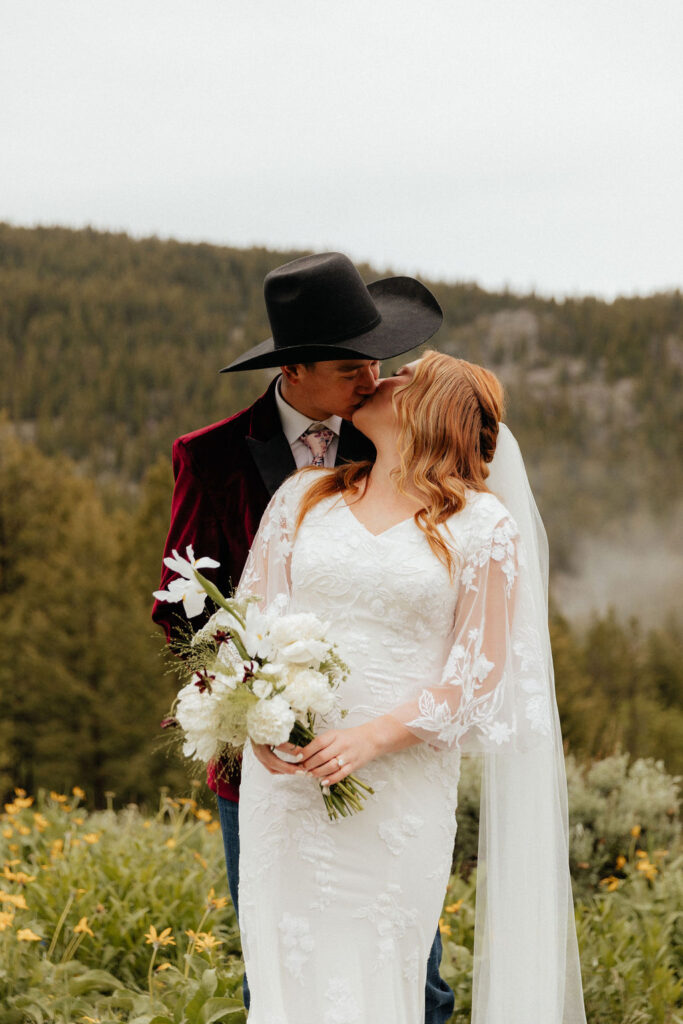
121	915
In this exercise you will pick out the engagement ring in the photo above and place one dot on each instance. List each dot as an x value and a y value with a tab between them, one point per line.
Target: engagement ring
340	761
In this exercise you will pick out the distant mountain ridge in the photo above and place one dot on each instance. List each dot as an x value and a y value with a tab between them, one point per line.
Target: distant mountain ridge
110	348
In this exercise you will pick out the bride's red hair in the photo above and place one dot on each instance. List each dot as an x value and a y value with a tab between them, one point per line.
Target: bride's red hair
448	416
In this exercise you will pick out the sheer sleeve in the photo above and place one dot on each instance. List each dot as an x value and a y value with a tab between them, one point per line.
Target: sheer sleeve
492	693
266	573
496	698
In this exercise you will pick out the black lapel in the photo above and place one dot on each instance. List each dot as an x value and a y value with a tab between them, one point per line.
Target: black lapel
273	458
354	446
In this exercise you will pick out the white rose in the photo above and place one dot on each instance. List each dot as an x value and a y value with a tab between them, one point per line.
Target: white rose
308	690
262	688
270	721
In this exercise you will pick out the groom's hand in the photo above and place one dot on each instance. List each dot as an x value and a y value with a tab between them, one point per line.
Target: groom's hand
274	764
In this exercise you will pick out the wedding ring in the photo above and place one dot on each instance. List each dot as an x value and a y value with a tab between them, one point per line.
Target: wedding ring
340	761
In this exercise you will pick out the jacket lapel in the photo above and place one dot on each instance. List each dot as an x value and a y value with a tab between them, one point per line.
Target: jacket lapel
273	458
267	443
270	449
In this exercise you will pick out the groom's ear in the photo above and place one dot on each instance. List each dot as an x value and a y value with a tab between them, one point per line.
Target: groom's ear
295	371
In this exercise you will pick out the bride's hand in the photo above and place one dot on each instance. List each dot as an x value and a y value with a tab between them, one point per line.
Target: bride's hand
333	755
274	764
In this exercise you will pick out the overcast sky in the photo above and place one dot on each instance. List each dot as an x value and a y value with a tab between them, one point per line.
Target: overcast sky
534	144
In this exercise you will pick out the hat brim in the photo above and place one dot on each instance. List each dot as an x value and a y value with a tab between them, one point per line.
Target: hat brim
410	316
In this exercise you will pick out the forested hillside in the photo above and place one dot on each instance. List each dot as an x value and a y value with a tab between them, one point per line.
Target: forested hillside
110	348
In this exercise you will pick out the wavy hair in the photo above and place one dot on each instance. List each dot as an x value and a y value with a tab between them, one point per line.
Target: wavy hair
448	416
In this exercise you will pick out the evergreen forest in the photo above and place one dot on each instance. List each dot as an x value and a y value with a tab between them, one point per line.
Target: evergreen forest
110	347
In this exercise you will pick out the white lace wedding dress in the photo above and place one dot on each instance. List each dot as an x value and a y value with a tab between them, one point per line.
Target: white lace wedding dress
337	918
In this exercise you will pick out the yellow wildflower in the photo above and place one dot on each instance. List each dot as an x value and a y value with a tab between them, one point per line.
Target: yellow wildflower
611	883
82	927
78	792
6	919
648	869
198	857
170	843
147	824
14	899
213	826
164	938
23	801
621	861
11	808
23	830
660	854
18	876
26	935
203	815
218	902
453	908
163	967
170	802
635	831
11	863
78	821
40	821
206	942
8	832
13	848
19	792
58	797
75	842
444	928
92	837
641	853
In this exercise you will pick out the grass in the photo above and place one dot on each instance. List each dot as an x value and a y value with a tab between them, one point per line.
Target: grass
120	916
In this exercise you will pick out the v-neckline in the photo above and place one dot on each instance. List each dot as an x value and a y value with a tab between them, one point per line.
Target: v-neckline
363	527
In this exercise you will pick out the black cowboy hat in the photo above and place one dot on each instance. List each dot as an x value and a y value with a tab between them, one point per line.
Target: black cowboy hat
319	308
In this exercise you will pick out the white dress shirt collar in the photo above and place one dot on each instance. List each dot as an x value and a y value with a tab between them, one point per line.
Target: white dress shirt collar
294	423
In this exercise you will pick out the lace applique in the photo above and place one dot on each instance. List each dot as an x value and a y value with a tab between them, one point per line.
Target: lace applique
397	831
532	672
411	966
343	1007
391	920
298	943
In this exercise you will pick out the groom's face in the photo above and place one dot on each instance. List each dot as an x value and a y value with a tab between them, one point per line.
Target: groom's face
337	387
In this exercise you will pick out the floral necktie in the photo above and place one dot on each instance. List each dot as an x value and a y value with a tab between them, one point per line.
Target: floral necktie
317	439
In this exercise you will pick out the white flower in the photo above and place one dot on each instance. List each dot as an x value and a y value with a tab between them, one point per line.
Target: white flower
254	635
186	587
205	719
300	639
270	721
262	688
308	690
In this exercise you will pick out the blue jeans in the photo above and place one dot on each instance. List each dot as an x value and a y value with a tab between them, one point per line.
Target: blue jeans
230	827
439	999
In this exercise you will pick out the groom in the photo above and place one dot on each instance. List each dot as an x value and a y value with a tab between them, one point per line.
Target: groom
329	333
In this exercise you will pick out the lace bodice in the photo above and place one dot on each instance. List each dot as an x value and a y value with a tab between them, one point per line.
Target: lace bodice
453	659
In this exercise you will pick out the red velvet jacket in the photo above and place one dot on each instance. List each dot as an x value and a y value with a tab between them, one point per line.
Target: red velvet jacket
225	475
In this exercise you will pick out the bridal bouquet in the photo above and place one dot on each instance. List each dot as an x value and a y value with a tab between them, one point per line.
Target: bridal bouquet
262	675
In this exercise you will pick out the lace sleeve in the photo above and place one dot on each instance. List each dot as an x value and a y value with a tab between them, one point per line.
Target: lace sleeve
493	692
266	573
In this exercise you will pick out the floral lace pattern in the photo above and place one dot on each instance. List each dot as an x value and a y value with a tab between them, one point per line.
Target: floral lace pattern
322	903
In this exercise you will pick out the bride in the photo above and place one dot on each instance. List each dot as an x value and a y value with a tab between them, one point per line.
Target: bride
431	568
